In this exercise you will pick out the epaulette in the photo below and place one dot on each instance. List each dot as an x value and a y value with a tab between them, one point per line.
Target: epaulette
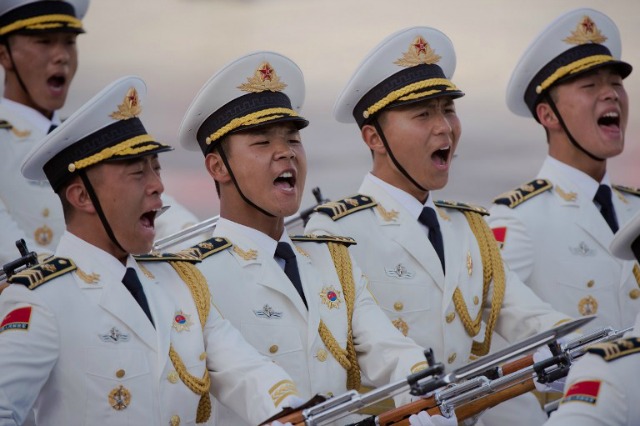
4	124
341	208
324	239
209	247
462	206
181	256
43	272
627	190
613	350
524	192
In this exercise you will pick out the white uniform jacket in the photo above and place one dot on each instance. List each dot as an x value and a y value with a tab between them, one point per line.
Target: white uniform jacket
602	387
78	345
28	209
557	242
406	277
253	292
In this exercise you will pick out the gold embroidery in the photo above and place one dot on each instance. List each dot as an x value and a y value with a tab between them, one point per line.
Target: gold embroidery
387	216
302	252
89	279
146	272
567	196
586	32
419	366
588	306
250	254
401	325
264	78
443	214
469	263
330	297
49	268
43	235
130	106
281	390
119	398
419	52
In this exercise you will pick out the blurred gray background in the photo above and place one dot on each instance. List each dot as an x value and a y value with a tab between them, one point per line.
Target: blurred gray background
176	45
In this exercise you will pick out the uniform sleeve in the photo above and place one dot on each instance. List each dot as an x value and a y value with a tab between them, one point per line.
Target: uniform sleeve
242	379
384	354
513	237
29	348
594	395
11	233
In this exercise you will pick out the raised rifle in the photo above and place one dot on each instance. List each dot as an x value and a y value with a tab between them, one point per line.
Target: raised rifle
422	382
26	260
209	224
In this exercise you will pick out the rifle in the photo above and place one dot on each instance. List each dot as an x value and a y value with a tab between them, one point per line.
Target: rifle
27	260
498	384
209	224
422	382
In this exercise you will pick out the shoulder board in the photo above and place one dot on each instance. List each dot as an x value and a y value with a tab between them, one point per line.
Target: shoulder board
524	192
181	256
627	189
4	124
43	272
461	206
613	350
341	208
323	239
209	247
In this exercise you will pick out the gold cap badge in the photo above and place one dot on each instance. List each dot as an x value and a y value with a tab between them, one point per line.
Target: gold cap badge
419	53
264	78
586	32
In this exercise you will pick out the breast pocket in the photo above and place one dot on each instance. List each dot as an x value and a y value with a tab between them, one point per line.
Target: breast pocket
119	386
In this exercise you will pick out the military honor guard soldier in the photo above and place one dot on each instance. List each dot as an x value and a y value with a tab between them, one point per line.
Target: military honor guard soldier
92	336
433	266
555	230
602	387
298	299
39	56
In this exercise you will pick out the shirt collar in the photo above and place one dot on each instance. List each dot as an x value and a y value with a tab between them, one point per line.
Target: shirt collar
83	253
406	200
584	183
34	117
265	243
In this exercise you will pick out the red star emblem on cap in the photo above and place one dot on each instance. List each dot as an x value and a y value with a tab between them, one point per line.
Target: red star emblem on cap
588	24
420	45
265	71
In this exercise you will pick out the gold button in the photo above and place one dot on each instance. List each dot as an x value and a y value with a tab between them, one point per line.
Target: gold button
175	420
590	283
321	355
452	358
450	317
476	300
273	349
120	374
173	377
45	212
203	356
398	306
634	294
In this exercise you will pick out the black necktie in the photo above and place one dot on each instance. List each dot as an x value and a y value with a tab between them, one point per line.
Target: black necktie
429	219
284	251
603	197
133	284
52	128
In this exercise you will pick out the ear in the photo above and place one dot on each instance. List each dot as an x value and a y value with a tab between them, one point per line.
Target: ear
5	59
216	167
546	116
78	196
372	138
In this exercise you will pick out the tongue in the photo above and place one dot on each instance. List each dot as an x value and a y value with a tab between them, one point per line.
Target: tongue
146	221
282	184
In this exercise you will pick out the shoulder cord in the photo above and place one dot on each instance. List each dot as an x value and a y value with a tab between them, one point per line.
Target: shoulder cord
493	270
346	357
202	298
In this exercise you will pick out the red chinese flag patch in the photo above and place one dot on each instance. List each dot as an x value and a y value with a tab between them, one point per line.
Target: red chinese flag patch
586	391
18	319
500	234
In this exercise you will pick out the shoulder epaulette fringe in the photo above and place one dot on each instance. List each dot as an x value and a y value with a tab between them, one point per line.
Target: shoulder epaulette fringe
209	247
43	272
613	350
524	192
461	206
627	190
186	255
341	208
323	239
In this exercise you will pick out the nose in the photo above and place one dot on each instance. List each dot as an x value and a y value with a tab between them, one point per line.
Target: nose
155	185
284	150
61	53
610	92
442	124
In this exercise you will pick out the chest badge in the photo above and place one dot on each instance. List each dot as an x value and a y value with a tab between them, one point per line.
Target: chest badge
267	312
582	250
330	297
114	336
399	271
182	321
588	306
119	398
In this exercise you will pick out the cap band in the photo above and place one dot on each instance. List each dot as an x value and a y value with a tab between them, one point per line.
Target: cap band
41	16
575	67
251	120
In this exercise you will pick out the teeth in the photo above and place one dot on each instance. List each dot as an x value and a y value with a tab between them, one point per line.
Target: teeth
286	175
611	114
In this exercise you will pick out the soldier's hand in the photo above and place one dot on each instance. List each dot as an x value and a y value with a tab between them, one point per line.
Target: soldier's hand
424	419
3	286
